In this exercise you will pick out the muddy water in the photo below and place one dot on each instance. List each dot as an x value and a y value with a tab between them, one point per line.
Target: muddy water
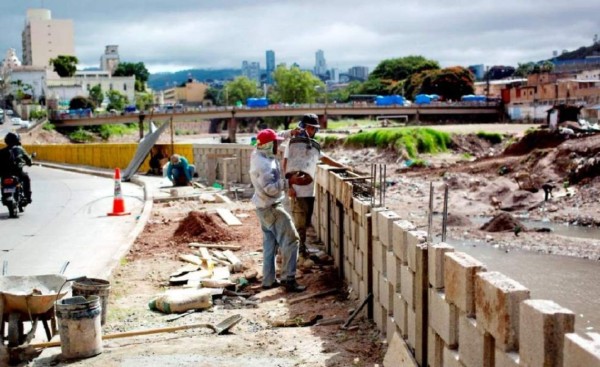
571	282
557	228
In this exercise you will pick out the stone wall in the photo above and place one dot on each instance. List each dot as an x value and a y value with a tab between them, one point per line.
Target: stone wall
449	310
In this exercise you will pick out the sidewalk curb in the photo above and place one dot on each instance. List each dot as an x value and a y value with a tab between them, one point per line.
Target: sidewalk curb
141	219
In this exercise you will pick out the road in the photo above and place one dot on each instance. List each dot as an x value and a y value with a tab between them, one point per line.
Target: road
68	221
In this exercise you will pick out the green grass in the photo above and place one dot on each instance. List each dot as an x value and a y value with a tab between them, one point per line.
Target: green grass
49	126
466	156
494	138
328	141
348	123
81	136
413	140
108	130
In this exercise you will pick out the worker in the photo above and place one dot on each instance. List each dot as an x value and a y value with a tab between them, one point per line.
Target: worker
13	158
179	171
276	224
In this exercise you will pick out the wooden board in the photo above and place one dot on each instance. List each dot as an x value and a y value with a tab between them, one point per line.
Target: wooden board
228	217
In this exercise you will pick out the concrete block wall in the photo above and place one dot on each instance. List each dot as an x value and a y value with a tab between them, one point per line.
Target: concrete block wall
212	160
447	307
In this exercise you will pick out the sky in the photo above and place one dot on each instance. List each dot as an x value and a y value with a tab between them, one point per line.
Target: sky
172	35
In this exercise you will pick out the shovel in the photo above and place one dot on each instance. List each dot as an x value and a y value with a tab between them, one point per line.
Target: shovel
219	329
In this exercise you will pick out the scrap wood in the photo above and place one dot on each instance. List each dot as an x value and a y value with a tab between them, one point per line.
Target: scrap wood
221	272
333	321
228	217
191	259
219	255
215	245
234	260
346	325
297	321
216	283
313	295
191	276
220	198
184	270
204	254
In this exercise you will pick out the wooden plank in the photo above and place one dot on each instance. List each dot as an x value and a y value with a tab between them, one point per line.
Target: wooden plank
313	295
228	217
215	245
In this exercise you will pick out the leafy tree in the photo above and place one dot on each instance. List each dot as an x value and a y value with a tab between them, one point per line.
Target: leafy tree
65	65
374	86
524	69
143	100
401	68
451	83
412	85
22	90
499	72
213	94
138	70
295	86
116	100
240	89
96	94
81	102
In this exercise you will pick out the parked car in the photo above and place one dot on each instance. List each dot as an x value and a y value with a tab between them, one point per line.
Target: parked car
17	121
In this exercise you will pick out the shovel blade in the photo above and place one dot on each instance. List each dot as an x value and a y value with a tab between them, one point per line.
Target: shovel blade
225	325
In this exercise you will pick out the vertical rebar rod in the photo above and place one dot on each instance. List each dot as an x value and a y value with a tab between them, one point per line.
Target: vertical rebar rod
430	216
373	177
381	185
445	217
384	182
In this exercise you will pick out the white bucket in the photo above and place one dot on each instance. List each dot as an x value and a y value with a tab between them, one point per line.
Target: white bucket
79	326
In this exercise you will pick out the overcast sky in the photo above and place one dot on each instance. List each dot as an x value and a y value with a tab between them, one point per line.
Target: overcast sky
171	35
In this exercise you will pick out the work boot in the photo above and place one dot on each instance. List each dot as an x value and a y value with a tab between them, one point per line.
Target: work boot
293	286
275	284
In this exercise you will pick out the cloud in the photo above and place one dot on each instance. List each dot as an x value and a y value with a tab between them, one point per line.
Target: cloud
209	34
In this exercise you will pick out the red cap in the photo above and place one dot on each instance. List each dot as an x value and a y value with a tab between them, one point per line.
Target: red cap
266	136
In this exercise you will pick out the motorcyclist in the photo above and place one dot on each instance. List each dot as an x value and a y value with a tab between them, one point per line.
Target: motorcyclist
13	158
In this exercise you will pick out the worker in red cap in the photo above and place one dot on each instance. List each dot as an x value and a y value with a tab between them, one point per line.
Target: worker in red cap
277	225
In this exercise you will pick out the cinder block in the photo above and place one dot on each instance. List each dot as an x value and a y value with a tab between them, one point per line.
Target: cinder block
411	323
497	300
385	219
436	264
435	349
582	352
459	280
542	328
413	239
443	318
506	359
363	289
398	354
355	279
400	230
400	314
384	294
472	347
378	314
376	274
391	328
379	256
407	286
375	221
421	303
451	358
393	270
358	262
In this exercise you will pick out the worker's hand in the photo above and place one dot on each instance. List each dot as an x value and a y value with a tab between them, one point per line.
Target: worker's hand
291	193
300	179
296	131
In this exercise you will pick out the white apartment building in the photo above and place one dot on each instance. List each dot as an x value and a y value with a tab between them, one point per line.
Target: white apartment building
83	81
33	76
110	60
45	38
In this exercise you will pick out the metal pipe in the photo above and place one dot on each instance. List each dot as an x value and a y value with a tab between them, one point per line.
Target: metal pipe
445	215
430	216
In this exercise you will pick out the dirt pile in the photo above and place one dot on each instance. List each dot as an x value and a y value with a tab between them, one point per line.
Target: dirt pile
503	222
202	227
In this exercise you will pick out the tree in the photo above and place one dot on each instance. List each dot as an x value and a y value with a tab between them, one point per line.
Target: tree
22	89
240	89
295	86
81	102
96	94
212	94
451	83
138	70
143	100
65	65
499	72
116	100
401	68
524	69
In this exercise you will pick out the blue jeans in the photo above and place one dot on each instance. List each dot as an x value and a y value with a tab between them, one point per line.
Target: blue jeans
180	178
278	230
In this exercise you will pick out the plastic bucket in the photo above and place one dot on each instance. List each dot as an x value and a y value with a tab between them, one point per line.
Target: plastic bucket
79	326
94	287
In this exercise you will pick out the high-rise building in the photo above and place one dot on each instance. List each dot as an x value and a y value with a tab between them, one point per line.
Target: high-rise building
359	72
334	75
251	70
320	63
110	60
270	54
45	38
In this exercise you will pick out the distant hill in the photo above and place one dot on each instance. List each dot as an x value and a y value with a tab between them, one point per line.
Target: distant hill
160	81
581	53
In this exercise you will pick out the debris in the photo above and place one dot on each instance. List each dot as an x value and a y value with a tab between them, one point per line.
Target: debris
201	227
313	295
297	321
236	263
228	217
193	259
184	270
362	305
503	222
220	198
216	283
181	300
193	276
334	321
216	245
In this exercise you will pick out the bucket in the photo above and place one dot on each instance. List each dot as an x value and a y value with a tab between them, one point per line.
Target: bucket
93	287
79	326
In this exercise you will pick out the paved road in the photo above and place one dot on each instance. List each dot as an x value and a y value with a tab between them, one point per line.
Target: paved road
68	222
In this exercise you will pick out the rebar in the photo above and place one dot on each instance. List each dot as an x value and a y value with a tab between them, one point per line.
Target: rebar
445	215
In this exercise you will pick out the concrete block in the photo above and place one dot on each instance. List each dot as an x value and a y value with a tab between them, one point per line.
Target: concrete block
411	323
451	358
400	230
421	303
384	294
363	289
391	328
375	221
378	313
497	300
582	351
443	318
376	274
459	280
379	257
542	328
398	354
473	347
506	359
358	262
365	264
436	264
393	270
400	315
385	220
407	286
413	239
355	279
363	238
435	349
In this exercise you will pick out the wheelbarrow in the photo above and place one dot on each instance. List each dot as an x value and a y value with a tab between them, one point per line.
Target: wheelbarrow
29	298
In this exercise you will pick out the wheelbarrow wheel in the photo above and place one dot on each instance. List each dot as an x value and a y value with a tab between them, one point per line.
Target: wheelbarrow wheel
15	330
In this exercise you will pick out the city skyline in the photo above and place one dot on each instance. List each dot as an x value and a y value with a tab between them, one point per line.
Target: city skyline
187	35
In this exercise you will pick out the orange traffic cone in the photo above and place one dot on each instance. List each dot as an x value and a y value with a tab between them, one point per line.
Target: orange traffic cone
118	202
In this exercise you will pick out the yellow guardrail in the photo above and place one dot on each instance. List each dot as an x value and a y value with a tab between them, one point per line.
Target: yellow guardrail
103	155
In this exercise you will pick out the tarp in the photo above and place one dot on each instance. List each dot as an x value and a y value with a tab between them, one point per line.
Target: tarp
142	151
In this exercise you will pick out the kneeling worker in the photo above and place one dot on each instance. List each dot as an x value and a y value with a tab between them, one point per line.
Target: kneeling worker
180	172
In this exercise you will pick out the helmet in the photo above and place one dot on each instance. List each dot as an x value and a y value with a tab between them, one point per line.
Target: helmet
12	139
267	136
310	119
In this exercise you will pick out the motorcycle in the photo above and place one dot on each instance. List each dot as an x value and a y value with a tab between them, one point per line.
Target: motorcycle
13	196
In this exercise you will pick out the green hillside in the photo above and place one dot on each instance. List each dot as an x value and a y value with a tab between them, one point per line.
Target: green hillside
160	81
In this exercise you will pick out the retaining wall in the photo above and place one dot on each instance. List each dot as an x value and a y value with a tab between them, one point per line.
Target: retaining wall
444	304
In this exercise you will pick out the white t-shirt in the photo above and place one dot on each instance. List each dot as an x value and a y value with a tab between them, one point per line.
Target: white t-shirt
304	191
